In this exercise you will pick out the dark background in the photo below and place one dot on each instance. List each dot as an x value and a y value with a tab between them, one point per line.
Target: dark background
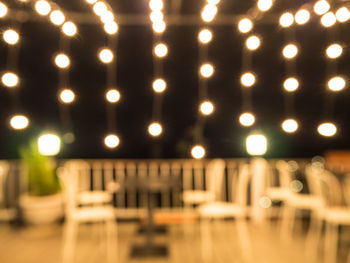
223	134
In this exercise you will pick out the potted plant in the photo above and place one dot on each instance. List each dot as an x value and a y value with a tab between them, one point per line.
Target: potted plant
42	204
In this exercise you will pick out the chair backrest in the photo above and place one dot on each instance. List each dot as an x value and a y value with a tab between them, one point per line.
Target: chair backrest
215	172
4	169
284	174
241	186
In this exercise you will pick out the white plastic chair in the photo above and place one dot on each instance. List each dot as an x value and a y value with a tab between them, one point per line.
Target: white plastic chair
4	168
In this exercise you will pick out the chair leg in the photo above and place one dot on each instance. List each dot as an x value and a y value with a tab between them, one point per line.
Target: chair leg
331	243
112	241
69	241
313	237
206	240
287	224
244	240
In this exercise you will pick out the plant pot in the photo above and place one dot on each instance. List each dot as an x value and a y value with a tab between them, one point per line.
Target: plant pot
39	210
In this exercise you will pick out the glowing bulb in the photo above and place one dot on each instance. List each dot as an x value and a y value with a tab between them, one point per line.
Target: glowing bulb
334	51
342	14
302	17
106	55
159	85
69	29
207	70
290	51
155	129
291	84
205	36
253	43
49	144
321	7
256	144
112	141
67	96
245	25
112	95
336	83
156	5
159	26
198	152
290	125
328	19
107	17
99	8
248	79
161	50
111	28
327	129
3	10
213	2
247	119
286	19
11	37
62	61
264	5
10	79
91	1
19	122
42	7
206	108
209	12
57	17
156	16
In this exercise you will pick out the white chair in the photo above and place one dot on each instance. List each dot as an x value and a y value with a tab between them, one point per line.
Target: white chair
78	212
5	213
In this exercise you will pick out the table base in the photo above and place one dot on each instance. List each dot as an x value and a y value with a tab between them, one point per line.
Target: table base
149	251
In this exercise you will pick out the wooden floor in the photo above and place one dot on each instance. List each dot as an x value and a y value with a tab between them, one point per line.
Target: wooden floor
221	242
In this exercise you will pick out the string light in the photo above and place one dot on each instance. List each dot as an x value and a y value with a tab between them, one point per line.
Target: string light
328	19
91	1
290	125
290	51
302	17
69	29
248	79
155	129
342	14
19	122
156	5
99	8
10	79
209	12
207	70
67	96
159	26
286	19
11	37
198	152
334	51
42	7
161	50
106	56
3	10
113	95
205	36
327	129
107	17
62	61
336	83
264	5
112	141
253	43
321	7
291	84
245	25
159	85
111	28
206	108
49	144
213	2
156	16
247	119
256	144
57	17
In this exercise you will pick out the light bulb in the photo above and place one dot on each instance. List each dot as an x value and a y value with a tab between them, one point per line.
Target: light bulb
247	119
62	61
336	83
207	70
159	26
10	79
156	16
342	14
42	7
302	17
209	12
291	84
206	108
91	1
112	95
159	85
11	37
155	129
253	43
256	144
205	36
290	51
213	2
111	28
67	96
3	10
161	50
334	51
99	8
106	55
248	79
321	7
49	144
286	19
264	5
327	129
245	25
198	152
57	17
328	19
290	125
107	17
112	141
156	5
69	29
19	122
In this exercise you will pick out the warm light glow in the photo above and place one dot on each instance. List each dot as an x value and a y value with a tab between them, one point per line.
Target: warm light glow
155	129
264	5
156	16
57	17
290	125
159	26
205	36
209	12
156	5
253	43
286	19
19	122
107	17
10	79
99	8
245	25
342	14
111	28
302	17
49	144
248	79
62	61
328	19
291	84
69	29
256	144
91	1
213	2
112	95
198	152
11	37
159	85
112	141
290	51
106	55
161	50
42	7
321	7
246	119
3	10
207	70
206	108
336	83
67	96
265	202
334	51
327	129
